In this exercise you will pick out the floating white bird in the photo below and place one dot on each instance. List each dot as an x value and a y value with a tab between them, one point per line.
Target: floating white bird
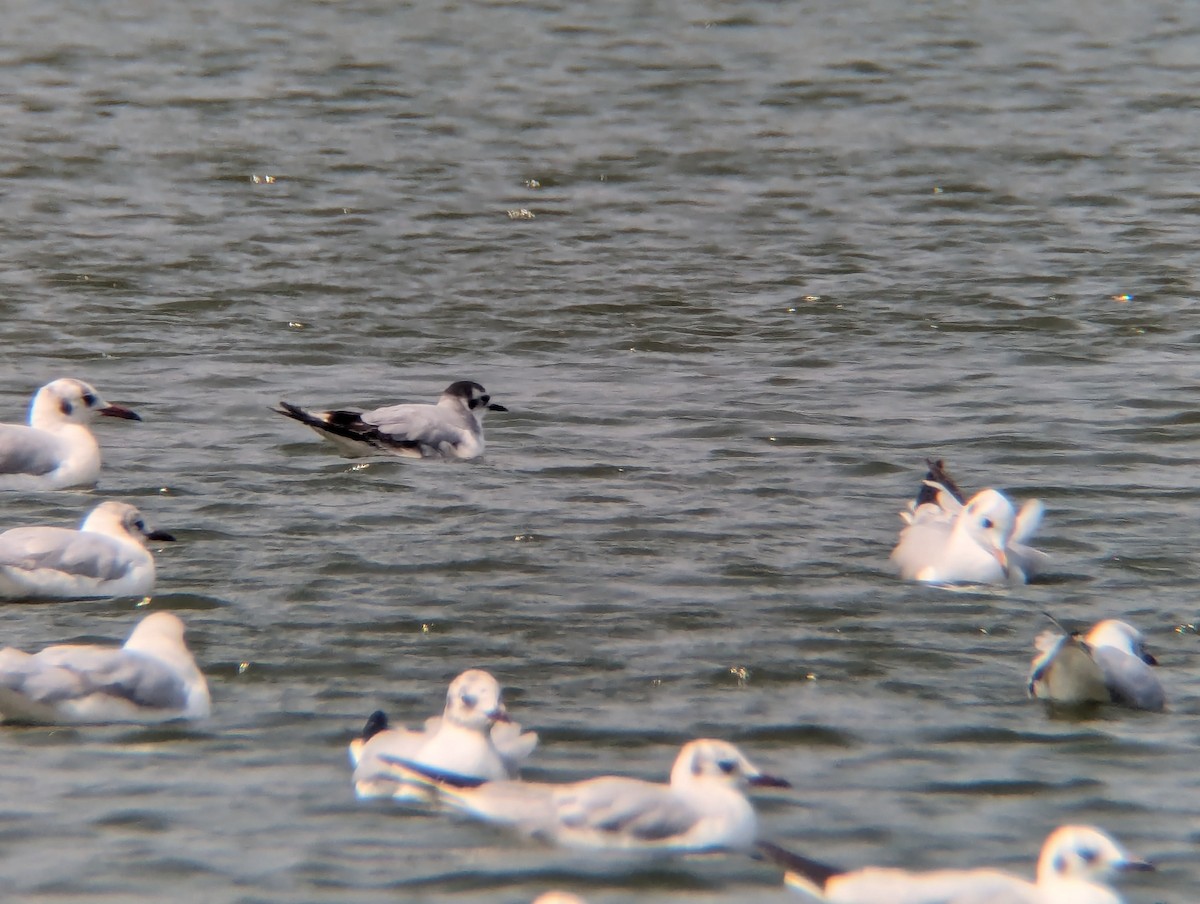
152	678
471	742
452	428
945	541
1110	663
704	808
1075	867
107	556
57	449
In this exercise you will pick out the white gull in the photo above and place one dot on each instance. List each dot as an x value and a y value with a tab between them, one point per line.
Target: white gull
451	428
980	541
107	556
152	678
57	449
1075	867
1109	664
472	741
703	808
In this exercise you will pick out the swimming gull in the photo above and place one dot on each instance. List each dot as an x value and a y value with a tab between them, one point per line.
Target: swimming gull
107	556
152	678
1075	867
1109	663
947	540
472	741
703	808
451	428
57	449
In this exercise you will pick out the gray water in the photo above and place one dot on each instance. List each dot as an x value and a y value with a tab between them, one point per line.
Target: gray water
779	254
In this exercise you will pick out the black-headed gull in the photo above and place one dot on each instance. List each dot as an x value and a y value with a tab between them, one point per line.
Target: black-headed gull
1109	664
152	678
107	556
57	449
704	808
451	428
472	741
1075	867
980	541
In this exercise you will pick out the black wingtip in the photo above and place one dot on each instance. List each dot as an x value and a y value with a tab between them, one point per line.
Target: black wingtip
376	722
937	473
441	776
813	871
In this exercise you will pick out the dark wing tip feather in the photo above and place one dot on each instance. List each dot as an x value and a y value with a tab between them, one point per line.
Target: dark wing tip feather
815	872
937	473
376	722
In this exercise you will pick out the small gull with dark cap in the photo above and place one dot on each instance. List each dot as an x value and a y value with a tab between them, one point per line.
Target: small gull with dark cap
450	428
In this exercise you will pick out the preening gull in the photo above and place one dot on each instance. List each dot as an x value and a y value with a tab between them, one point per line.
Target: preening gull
57	449
1110	663
451	428
704	808
471	742
981	541
152	678
1075	867
107	556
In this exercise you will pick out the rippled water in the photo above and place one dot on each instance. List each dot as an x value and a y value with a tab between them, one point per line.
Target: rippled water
779	254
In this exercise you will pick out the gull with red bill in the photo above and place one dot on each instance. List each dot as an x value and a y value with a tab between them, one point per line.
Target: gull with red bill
57	448
950	540
473	741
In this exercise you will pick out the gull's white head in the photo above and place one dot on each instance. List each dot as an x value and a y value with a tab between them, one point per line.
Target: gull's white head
710	760
473	701
989	518
471	396
1083	853
119	519
1122	636
68	401
158	632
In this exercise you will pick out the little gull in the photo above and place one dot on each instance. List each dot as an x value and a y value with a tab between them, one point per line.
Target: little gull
1110	663
57	449
451	428
947	540
1075	867
107	556
152	678
704	808
471	742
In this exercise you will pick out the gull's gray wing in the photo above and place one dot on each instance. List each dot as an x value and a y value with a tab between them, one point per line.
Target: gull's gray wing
923	541
61	673
74	552
1129	680
426	427
24	450
624	806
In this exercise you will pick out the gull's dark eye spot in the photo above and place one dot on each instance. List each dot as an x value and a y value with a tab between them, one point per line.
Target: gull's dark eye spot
1089	856
89	399
140	525
727	766
988	523
469	701
65	407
